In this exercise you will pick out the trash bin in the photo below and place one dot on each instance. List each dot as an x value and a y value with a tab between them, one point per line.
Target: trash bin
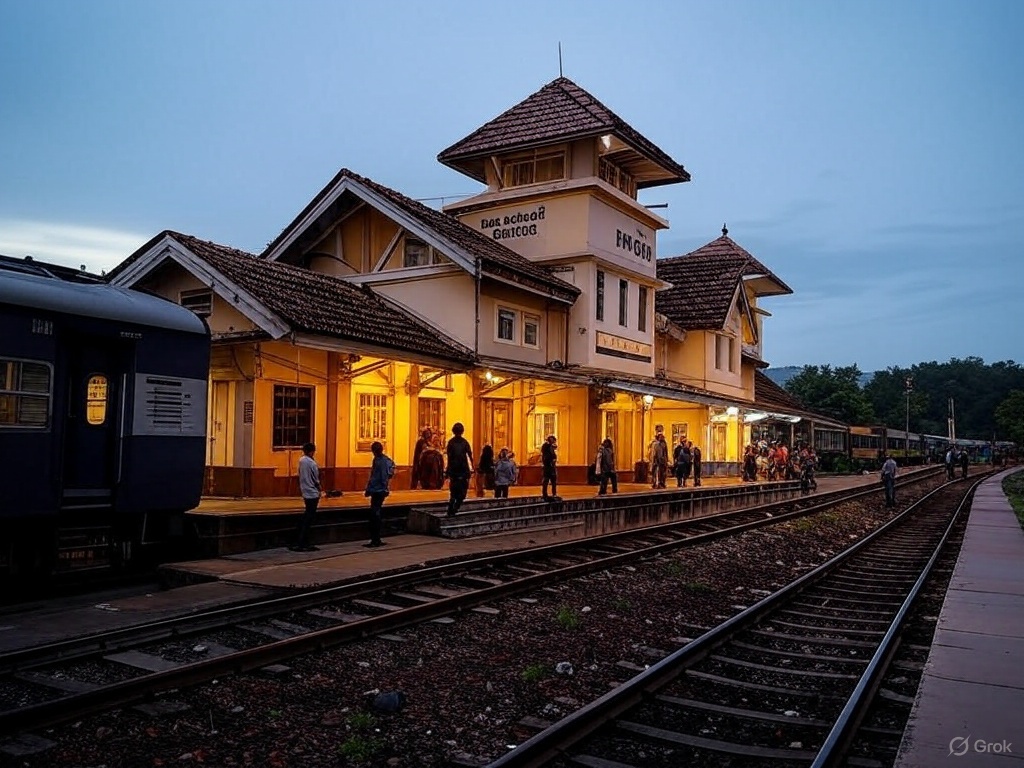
641	472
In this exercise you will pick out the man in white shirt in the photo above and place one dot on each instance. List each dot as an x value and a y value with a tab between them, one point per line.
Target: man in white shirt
309	487
889	471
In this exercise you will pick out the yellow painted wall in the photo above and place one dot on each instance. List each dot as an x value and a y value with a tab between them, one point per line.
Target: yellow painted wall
171	279
446	301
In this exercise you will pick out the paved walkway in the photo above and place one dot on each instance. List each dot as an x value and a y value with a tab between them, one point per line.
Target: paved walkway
970	706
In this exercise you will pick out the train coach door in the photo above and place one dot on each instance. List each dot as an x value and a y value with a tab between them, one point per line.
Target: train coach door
92	423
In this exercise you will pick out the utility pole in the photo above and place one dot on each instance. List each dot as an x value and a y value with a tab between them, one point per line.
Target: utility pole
952	423
908	383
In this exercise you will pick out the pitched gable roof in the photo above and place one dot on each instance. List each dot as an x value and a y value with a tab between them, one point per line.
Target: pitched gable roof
704	283
497	260
559	111
318	304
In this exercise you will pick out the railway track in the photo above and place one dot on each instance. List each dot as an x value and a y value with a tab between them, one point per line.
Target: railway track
60	681
787	682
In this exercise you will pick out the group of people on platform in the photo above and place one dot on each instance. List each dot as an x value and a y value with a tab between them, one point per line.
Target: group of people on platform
956	457
686	458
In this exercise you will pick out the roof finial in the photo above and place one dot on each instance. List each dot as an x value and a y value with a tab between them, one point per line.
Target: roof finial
725	230
560	58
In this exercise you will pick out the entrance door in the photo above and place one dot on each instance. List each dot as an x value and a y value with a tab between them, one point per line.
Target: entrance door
497	426
90	431
217	446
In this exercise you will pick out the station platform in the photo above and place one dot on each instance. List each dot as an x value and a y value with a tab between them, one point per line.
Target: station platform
969	704
278	568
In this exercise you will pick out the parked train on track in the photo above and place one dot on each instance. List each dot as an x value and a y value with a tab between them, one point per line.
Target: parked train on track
867	444
102	420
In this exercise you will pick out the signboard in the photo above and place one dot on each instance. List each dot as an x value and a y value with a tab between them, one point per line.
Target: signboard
616	346
514	224
167	405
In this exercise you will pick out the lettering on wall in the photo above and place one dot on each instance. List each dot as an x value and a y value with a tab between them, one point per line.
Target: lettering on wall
525	223
635	244
616	346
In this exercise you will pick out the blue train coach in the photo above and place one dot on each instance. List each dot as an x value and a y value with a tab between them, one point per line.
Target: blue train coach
102	420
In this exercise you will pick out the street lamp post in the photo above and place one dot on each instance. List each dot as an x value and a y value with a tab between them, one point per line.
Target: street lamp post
909	385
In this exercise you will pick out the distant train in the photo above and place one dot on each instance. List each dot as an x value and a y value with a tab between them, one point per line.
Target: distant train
102	419
867	444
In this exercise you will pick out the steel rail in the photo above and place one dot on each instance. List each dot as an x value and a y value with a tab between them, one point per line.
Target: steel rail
554	741
837	742
196	623
80	704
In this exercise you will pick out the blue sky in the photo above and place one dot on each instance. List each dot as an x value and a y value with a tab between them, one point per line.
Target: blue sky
869	153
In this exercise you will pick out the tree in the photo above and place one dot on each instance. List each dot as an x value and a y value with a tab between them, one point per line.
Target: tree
833	392
1010	416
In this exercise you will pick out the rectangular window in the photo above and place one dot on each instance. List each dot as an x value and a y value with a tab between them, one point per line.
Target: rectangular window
432	417
680	431
600	295
533	169
732	355
641	319
617	177
293	416
542	425
724	346
24	394
416	254
200	302
531	331
623	302
372	419
506	325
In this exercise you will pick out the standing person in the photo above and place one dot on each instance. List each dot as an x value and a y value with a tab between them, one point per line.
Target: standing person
505	474
549	465
950	457
695	460
750	463
889	472
965	460
659	460
417	455
604	467
460	467
681	460
309	487
485	471
377	489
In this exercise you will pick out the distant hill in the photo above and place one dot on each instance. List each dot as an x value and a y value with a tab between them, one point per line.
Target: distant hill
781	375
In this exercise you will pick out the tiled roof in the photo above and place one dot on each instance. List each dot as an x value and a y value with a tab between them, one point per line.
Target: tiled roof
323	304
559	111
769	396
497	260
704	283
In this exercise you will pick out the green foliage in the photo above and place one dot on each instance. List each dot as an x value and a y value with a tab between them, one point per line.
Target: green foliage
1010	416
622	604
976	388
534	673
674	568
568	618
1013	487
360	749
833	392
361	721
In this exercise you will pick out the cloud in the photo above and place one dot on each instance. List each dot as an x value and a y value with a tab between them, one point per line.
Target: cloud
71	245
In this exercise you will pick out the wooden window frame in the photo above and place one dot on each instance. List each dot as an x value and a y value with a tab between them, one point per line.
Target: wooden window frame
14	395
284	435
600	295
623	303
371	419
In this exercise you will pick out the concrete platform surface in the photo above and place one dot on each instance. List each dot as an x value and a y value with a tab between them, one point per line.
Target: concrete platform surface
969	709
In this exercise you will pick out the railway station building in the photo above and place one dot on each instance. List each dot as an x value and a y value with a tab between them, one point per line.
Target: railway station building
538	306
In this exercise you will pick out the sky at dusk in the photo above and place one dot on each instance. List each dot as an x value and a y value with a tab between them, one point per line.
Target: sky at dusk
871	154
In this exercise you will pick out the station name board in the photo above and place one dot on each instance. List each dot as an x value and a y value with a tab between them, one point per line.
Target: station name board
637	245
616	346
524	223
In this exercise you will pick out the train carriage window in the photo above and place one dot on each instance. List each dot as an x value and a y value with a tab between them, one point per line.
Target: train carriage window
96	399
24	394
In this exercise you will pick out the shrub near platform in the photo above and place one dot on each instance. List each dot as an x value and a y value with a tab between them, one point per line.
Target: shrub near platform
1013	487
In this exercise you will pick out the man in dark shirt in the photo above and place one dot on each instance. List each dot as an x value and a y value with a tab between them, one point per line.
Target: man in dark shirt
549	462
460	467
